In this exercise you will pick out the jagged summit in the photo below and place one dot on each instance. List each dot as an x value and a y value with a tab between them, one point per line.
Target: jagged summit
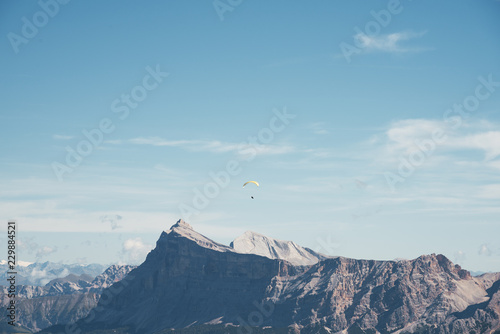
184	230
255	243
249	243
181	224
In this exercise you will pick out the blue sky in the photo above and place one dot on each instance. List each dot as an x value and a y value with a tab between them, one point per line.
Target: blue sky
391	148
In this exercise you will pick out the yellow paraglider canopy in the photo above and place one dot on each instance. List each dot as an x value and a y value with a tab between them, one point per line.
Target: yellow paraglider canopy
254	182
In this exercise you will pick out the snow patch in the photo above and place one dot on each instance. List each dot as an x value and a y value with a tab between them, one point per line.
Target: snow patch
18	263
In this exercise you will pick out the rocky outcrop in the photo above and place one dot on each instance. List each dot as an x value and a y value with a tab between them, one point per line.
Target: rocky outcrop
113	274
383	296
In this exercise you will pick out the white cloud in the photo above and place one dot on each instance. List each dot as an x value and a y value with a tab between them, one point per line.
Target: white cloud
64	273
28	245
81	260
44	251
24	263
157	141
489	142
405	133
405	136
31	247
388	43
484	250
134	251
460	257
267	149
37	274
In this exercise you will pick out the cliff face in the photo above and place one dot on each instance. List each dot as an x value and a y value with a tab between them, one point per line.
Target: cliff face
189	280
182	283
42	312
385	296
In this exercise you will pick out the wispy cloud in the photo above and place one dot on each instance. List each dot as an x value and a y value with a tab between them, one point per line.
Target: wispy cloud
388	43
170	172
196	145
488	142
45	251
213	146
404	136
489	191
484	250
318	128
62	137
113	142
112	220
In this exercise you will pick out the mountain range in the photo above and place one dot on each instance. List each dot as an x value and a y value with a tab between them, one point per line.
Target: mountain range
191	284
62	300
40	273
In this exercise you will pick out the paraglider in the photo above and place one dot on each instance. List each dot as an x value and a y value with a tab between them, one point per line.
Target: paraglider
254	182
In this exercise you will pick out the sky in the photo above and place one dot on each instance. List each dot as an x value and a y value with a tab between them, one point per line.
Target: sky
373	128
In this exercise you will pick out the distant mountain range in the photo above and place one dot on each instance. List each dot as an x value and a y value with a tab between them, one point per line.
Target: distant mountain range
62	300
191	284
39	274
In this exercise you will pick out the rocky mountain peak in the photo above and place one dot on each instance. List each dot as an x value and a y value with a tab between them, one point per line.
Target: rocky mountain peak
183	230
181	224
254	243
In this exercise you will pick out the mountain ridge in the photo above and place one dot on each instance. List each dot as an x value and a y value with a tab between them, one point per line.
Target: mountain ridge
255	243
40	273
189	280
